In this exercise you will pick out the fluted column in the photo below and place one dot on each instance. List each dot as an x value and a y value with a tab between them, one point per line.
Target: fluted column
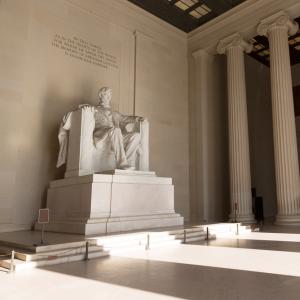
277	28
239	157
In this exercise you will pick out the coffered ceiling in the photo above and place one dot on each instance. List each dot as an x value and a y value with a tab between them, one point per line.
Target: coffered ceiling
186	15
261	49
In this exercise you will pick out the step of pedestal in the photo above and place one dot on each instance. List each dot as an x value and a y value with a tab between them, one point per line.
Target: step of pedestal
133	239
137	244
200	238
56	253
188	230
21	264
3	270
193	234
190	234
41	255
116	250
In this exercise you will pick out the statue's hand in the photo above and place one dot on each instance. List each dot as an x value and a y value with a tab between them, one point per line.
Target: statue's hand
141	119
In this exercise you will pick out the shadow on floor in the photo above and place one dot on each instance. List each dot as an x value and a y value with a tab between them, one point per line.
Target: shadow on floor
252	244
182	280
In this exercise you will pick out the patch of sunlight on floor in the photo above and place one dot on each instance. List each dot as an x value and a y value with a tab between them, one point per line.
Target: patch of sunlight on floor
265	261
40	284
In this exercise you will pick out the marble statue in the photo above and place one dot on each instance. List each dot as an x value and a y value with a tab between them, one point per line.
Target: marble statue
108	186
103	130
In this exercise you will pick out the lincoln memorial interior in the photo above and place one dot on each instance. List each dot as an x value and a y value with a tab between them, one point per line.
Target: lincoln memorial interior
150	149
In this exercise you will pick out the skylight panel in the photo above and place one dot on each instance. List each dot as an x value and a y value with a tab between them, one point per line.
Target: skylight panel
189	3
201	10
181	5
195	14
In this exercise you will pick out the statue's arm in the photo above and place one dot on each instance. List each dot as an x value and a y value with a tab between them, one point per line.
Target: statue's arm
130	119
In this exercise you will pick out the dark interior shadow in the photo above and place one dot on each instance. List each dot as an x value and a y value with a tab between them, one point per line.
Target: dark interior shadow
55	105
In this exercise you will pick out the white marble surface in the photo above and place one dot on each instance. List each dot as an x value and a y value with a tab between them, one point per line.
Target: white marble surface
278	28
135	278
239	153
97	138
102	203
264	261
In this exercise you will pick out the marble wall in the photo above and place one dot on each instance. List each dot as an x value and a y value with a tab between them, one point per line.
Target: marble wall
261	133
56	54
209	173
209	177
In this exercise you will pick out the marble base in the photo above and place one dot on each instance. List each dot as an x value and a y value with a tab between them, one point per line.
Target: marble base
245	219
288	220
105	203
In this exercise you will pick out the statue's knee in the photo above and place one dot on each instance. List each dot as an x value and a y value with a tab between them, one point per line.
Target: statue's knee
118	131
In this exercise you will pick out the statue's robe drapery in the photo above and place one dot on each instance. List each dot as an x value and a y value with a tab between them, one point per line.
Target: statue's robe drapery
111	129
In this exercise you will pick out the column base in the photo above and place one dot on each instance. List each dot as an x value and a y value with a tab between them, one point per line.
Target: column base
242	218
287	220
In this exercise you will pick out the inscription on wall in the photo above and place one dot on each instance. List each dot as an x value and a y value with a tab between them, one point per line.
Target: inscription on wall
85	51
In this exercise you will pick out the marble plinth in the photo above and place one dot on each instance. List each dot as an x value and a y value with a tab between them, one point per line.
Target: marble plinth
104	203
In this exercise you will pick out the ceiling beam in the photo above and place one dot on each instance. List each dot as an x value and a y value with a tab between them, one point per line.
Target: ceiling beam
209	16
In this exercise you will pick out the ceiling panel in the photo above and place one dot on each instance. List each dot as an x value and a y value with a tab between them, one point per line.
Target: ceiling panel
186	15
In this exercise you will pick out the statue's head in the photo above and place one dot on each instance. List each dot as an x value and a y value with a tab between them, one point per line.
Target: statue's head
105	95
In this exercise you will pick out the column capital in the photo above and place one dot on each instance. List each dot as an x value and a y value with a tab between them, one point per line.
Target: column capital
234	40
278	20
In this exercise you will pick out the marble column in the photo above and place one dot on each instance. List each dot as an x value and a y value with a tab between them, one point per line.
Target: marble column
203	63
277	28
239	158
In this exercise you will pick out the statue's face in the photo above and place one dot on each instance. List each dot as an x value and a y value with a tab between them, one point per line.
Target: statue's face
105	99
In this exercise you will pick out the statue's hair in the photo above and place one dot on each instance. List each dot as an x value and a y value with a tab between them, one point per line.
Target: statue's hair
104	91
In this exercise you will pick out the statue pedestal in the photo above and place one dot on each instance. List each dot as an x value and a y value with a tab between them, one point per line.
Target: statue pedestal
112	202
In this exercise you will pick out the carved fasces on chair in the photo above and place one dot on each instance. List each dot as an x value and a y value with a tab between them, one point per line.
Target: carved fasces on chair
144	154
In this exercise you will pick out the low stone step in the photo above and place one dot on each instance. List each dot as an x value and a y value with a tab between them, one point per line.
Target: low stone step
20	264
190	234
69	251
141	245
116	242
3	270
144	246
187	230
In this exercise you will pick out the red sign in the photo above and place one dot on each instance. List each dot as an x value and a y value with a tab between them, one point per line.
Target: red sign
43	216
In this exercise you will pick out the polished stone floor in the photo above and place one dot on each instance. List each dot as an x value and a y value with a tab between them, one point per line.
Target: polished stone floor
177	272
257	265
253	244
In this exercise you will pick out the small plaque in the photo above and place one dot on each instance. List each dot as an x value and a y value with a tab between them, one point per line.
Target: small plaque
43	216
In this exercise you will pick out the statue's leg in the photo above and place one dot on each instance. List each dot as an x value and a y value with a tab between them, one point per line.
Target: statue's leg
117	146
132	144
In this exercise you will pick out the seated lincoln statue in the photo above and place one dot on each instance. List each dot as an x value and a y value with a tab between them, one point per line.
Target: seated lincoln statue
96	138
